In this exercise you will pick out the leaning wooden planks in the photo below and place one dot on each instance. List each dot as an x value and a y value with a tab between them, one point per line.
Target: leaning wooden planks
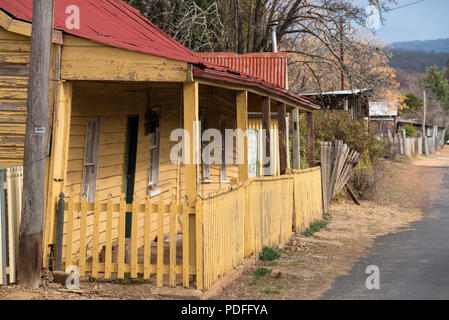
338	163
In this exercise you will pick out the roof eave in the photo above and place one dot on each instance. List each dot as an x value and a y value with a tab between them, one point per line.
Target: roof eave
294	99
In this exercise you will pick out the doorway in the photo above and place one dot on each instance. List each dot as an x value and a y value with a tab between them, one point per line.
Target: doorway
130	167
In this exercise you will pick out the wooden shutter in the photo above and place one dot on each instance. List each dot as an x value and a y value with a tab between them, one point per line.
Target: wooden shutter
91	152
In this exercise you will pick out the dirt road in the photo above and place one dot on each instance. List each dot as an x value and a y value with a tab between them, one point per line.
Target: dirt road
309	266
412	264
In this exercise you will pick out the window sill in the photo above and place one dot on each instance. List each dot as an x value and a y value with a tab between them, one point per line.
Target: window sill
224	181
206	181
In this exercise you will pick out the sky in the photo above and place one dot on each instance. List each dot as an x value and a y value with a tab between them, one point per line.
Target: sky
427	20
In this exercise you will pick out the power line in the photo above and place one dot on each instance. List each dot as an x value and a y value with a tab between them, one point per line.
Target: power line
406	5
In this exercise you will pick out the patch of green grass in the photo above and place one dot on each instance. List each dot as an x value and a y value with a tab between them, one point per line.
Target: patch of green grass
262	272
271	291
317	225
269	254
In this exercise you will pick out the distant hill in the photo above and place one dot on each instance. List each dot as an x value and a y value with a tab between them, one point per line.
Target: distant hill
439	45
417	60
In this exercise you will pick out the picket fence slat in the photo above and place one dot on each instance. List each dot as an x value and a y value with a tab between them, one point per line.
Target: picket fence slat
173	214
108	253
121	238
3	237
96	235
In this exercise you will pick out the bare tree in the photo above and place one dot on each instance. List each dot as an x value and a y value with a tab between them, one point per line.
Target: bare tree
309	29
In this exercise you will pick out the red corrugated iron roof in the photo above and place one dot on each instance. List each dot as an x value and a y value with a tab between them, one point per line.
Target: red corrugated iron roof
270	67
111	22
115	23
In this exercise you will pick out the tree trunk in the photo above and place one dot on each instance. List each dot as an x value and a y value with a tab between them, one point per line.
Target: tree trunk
31	227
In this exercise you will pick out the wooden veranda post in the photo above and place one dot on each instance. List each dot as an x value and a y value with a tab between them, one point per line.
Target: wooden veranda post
282	127
58	162
31	229
296	139
266	127
242	124
310	140
191	117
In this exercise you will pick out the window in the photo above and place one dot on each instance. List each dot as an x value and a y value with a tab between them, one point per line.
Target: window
155	147
91	152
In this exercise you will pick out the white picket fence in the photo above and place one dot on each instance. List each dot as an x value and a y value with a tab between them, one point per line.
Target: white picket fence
11	183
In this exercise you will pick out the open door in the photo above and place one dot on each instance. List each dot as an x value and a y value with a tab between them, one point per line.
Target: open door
130	167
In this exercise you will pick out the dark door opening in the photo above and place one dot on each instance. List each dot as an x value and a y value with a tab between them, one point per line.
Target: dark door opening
130	167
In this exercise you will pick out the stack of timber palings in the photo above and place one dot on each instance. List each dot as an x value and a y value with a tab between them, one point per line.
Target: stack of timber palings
11	182
338	164
102	249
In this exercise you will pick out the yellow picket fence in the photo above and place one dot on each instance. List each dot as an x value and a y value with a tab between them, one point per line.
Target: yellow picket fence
260	212
157	246
11	186
229	226
307	197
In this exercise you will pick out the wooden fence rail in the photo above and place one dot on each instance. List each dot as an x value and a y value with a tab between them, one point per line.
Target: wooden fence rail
11	183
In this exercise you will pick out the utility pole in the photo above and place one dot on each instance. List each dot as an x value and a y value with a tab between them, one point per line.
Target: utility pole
31	226
342	55
424	134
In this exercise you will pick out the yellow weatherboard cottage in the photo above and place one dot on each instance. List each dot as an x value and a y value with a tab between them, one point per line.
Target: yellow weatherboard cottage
115	202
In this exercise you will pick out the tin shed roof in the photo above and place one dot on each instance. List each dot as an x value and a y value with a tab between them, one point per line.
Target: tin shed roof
111	22
270	67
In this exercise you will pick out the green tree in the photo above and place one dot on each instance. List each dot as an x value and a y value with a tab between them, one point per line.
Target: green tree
412	101
446	70
435	81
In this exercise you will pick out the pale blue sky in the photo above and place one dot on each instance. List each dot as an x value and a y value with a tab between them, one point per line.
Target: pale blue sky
427	20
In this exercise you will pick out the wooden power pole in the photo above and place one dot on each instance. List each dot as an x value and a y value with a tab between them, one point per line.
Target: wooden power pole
424	133
31	226
342	55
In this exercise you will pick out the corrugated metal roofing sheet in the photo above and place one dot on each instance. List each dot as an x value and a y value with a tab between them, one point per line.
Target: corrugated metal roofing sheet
383	108
270	67
110	22
337	93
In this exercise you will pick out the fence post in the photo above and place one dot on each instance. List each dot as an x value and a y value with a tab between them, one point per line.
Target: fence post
199	245
60	232
3	237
